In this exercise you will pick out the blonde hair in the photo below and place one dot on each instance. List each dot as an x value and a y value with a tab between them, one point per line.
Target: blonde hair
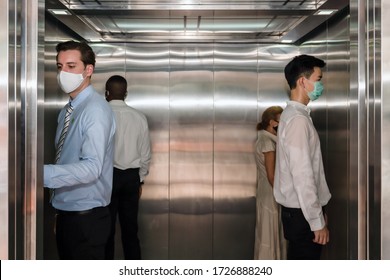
268	115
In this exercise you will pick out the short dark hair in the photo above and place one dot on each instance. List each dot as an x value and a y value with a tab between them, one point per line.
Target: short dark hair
117	86
87	54
302	65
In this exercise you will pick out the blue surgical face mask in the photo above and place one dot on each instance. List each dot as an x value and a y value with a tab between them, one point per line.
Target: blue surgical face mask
317	91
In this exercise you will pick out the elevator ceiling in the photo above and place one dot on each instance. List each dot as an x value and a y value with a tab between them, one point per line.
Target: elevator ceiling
270	21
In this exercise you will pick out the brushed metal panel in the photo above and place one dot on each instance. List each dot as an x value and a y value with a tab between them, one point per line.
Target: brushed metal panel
385	137
20	167
110	60
235	103
272	86
336	135
5	144
358	127
147	73
16	241
374	149
32	127
191	152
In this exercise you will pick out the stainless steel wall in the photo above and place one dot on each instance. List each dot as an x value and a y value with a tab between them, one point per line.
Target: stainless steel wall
21	117
369	195
5	131
382	10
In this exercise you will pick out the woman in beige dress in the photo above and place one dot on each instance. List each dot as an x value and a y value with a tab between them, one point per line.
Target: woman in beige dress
269	241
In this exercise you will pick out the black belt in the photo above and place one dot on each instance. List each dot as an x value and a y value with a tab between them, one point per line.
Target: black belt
127	170
82	212
297	210
291	210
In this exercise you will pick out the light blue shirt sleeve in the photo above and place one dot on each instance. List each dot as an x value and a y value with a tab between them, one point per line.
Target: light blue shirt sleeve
91	153
82	178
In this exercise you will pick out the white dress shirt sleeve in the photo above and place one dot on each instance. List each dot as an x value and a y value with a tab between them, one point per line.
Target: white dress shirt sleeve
301	139
145	154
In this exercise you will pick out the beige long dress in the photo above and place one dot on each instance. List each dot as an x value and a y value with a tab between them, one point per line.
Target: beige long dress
269	241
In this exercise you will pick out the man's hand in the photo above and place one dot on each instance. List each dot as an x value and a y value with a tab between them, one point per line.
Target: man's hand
321	236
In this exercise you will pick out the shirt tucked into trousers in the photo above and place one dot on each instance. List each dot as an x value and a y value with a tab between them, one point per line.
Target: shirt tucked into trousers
300	184
131	165
82	177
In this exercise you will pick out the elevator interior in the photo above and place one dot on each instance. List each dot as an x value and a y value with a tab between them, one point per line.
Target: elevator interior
203	72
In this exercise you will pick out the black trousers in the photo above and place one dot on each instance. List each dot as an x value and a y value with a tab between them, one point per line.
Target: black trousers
299	235
124	204
82	235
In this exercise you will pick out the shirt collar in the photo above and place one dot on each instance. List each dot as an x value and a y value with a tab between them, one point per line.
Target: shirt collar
299	105
81	96
117	102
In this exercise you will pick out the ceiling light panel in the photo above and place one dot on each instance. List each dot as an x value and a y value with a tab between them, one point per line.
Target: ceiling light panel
193	4
166	20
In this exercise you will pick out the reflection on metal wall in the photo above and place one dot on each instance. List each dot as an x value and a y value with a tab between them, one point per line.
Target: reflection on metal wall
5	144
147	70
191	152
358	158
235	113
21	131
384	46
374	133
369	130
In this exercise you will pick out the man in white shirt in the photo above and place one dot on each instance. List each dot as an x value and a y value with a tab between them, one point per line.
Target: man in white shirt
131	165
300	185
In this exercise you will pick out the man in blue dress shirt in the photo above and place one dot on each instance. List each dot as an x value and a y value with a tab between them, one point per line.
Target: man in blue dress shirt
81	178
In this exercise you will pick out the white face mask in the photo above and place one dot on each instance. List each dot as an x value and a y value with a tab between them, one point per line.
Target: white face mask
69	81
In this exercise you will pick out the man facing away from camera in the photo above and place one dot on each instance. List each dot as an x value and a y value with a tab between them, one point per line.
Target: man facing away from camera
131	166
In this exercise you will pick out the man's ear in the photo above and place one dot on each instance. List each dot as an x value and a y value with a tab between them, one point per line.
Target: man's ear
89	69
301	82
